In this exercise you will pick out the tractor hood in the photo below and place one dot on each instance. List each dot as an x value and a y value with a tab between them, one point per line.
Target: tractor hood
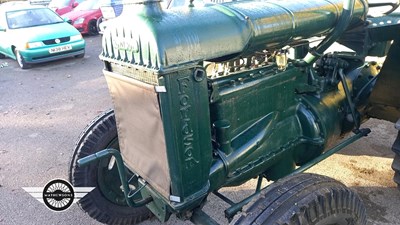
146	35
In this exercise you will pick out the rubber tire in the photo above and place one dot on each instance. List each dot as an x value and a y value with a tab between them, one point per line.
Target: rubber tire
2	56
396	168
396	160
21	61
98	22
92	28
305	199
97	136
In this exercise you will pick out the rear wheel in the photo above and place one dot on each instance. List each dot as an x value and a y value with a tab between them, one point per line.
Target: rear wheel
396	168
2	56
306	199
93	28
21	61
106	203
98	22
396	160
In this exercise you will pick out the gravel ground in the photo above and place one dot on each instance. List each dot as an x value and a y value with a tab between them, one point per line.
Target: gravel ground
44	109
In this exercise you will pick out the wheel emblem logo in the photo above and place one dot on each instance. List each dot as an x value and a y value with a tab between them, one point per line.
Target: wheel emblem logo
58	195
57	41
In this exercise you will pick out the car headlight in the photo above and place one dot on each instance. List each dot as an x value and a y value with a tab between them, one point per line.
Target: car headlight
76	37
34	44
79	21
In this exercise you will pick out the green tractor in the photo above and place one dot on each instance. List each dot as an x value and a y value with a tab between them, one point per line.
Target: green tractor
212	95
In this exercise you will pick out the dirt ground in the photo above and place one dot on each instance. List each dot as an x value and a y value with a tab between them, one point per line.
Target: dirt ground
366	167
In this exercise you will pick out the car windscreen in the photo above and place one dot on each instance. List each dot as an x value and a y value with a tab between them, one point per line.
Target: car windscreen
88	5
31	18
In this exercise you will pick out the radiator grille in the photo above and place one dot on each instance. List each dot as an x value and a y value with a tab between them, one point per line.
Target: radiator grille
53	41
135	73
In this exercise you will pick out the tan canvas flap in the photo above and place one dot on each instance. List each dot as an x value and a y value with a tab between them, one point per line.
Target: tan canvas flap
140	130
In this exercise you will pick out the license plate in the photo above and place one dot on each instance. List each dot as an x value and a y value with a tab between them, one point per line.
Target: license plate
60	49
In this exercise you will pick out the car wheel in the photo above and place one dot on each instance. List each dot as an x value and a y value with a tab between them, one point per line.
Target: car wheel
21	61
2	56
307	199
106	203
93	27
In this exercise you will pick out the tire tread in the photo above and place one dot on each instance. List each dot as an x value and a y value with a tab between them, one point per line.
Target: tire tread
93	206
304	199
396	160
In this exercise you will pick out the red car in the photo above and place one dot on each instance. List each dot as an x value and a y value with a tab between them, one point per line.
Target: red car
86	17
63	6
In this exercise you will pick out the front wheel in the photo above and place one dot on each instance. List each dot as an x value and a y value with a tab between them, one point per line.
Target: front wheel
21	61
93	28
306	199
106	203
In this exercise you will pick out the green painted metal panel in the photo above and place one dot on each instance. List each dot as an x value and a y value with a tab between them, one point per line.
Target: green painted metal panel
186	116
265	127
189	35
